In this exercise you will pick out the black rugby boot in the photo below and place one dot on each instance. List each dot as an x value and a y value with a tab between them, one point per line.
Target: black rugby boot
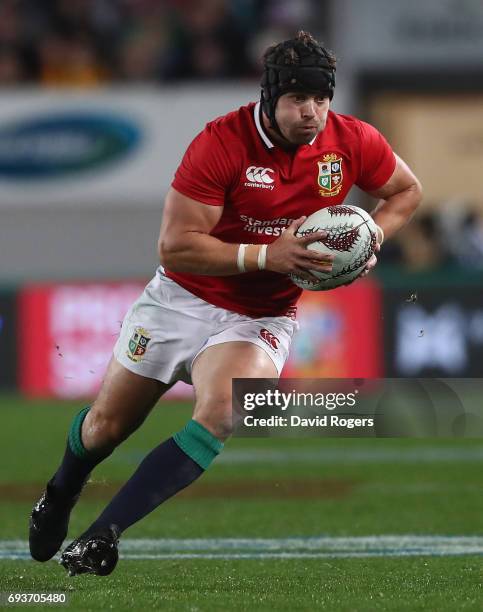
49	522
92	553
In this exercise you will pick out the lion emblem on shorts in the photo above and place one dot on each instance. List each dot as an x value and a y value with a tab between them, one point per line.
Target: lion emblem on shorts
138	344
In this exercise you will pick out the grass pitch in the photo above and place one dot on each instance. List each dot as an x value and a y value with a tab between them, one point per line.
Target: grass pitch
277	524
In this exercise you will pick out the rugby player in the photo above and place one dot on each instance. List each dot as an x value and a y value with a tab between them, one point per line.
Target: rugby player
222	305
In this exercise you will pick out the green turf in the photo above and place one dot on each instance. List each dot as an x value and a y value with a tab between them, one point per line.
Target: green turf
425	583
356	498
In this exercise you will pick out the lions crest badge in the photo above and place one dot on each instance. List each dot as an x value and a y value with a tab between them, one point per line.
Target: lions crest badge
330	175
137	344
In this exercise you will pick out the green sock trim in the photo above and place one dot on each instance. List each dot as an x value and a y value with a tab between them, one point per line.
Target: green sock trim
198	443
75	434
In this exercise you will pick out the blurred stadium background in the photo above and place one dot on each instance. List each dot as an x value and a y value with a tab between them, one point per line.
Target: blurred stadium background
99	99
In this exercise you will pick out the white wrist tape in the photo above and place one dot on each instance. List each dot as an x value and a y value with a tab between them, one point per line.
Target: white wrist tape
379	229
262	257
240	260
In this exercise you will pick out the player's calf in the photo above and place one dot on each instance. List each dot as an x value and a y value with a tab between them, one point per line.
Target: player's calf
102	433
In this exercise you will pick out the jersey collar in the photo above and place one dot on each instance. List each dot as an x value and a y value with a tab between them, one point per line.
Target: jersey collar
261	131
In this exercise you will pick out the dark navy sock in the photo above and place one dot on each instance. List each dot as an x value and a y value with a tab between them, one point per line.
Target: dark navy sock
73	472
170	467
165	471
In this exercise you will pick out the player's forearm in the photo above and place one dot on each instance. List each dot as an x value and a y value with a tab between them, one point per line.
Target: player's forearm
394	212
199	253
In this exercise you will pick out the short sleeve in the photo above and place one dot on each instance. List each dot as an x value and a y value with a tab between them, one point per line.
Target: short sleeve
205	173
377	159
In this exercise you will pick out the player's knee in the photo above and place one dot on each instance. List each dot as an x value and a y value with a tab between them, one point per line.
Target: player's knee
215	413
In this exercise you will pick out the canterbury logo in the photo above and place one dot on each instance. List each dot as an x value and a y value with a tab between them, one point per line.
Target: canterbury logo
259	175
269	338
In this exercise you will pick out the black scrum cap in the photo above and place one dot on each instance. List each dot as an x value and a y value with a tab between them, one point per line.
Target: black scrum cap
298	64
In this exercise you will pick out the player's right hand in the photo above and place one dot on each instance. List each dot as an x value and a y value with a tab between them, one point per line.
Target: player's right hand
289	254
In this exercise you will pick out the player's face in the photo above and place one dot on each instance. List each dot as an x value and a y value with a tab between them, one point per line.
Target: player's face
301	116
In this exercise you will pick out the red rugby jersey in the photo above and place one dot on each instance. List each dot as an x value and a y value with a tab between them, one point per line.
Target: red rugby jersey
263	188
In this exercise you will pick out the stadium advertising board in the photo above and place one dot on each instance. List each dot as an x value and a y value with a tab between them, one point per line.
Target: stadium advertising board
65	144
340	334
8	339
67	333
416	34
439	334
100	149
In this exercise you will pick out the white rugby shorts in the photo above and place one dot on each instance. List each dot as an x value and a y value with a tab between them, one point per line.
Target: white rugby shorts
168	327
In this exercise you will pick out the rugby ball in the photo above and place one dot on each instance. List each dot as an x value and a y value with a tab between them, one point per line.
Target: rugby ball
351	238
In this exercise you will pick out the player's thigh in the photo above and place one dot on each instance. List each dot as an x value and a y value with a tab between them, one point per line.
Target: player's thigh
124	401
212	374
